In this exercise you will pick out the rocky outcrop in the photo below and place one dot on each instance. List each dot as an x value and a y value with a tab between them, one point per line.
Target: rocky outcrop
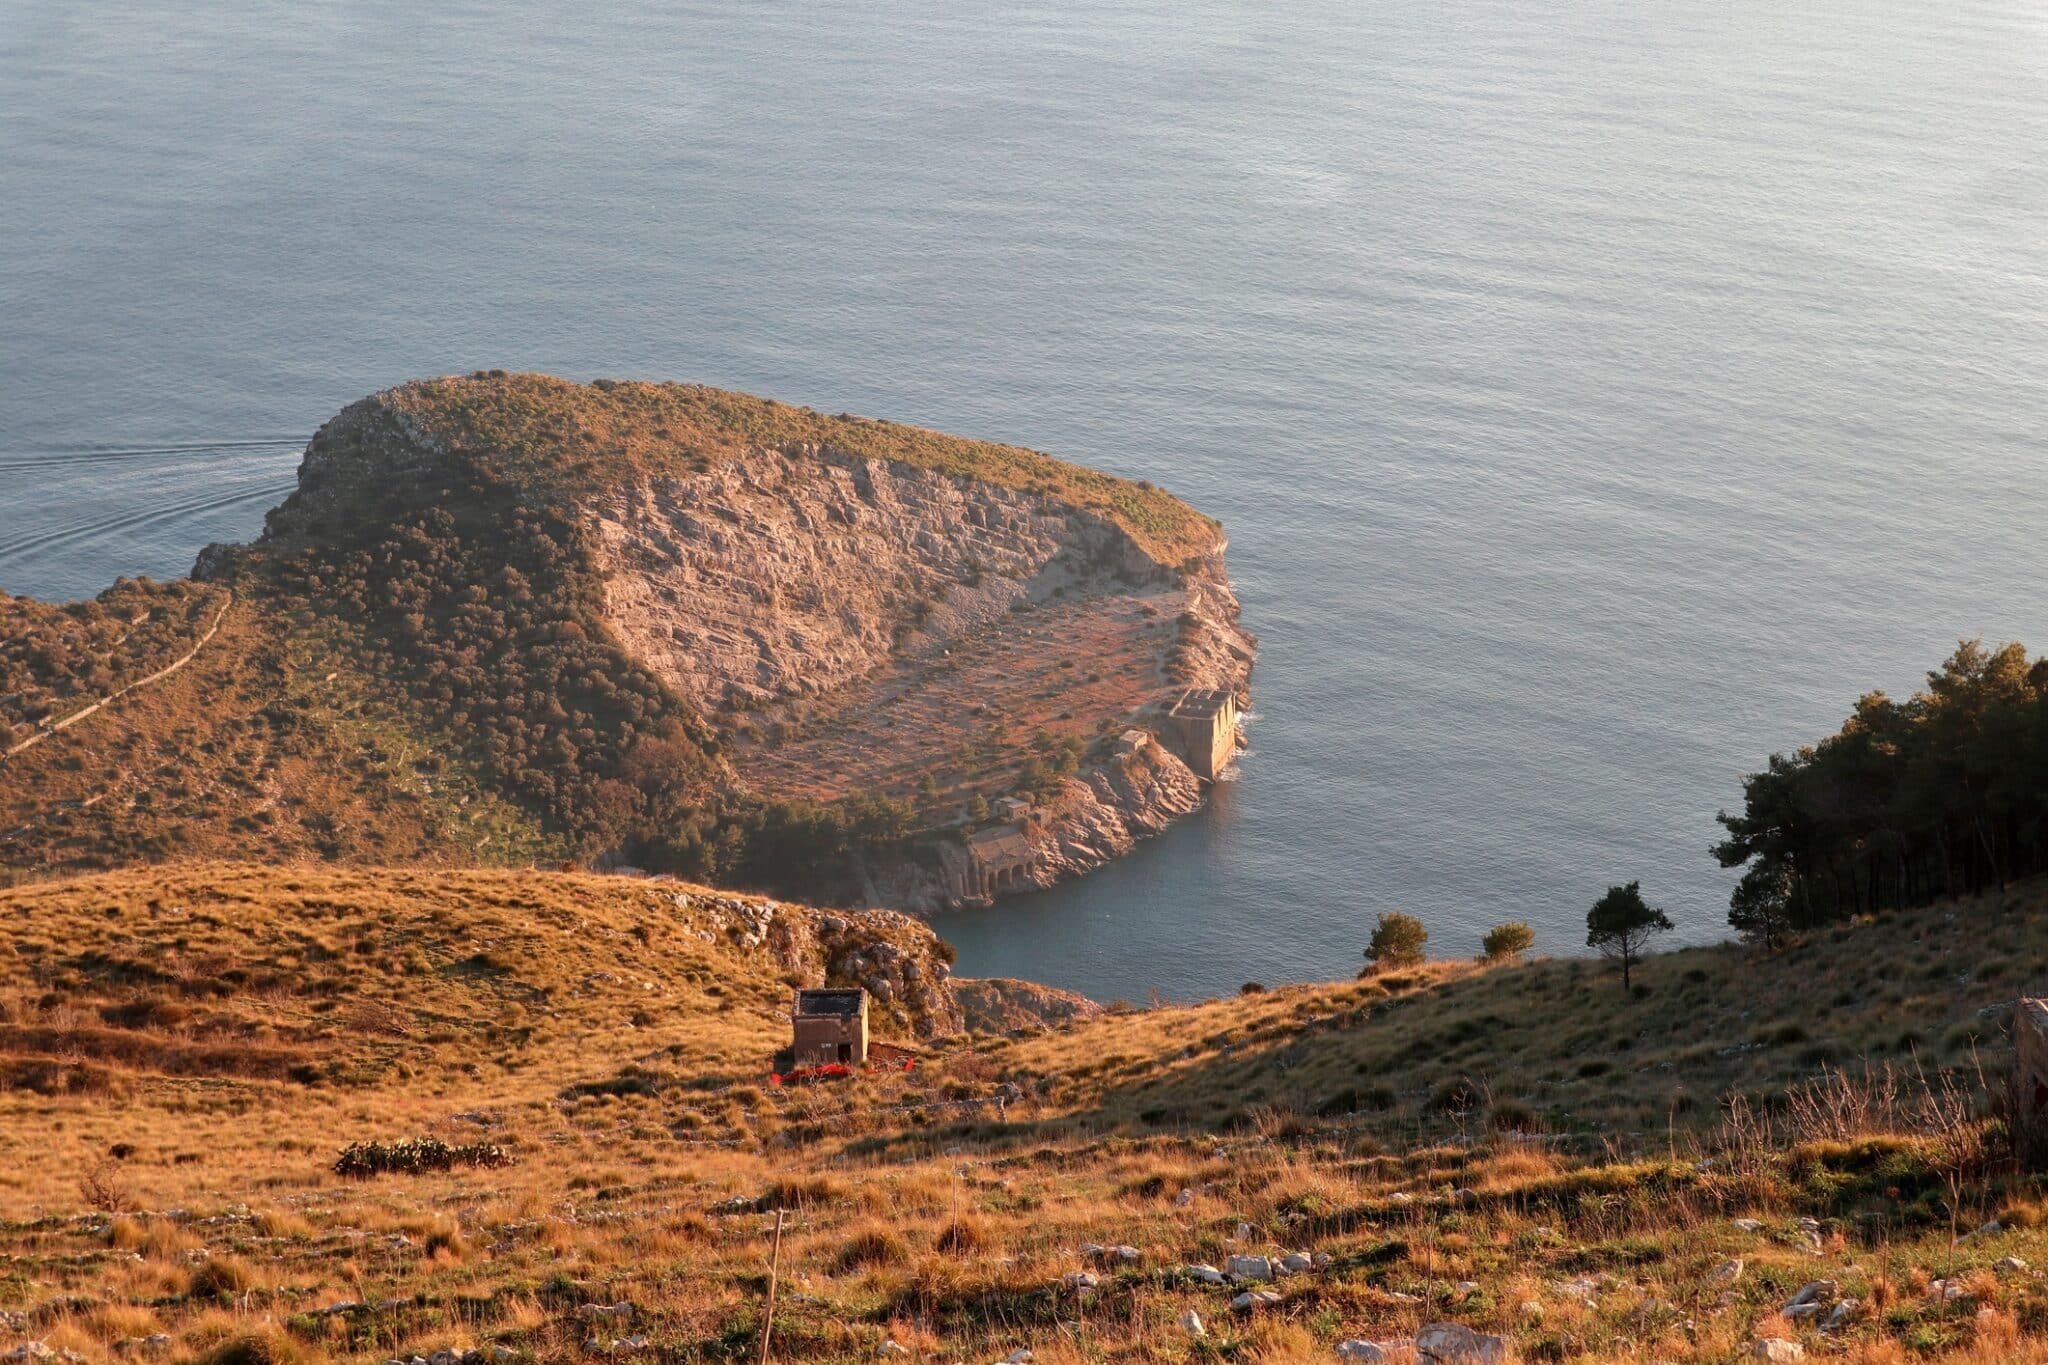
1001	1004
854	623
904	967
797	571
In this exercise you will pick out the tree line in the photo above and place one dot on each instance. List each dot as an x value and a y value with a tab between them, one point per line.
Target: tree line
1942	794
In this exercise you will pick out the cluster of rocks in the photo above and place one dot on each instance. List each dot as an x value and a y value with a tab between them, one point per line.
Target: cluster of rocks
33	1352
891	956
499	1354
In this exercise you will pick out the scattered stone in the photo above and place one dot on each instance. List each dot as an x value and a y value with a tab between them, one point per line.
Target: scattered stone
1184	1199
1844	1314
1078	1280
1948	1291
632	1345
1776	1349
445	1357
1207	1274
1748	1225
1453	1343
1127	1255
501	1353
1728	1272
1254	1298
1813	1294
1248	1268
30	1350
1465	1289
2009	1265
1191	1323
1530	1309
1359	1349
1243	1233
1296	1264
338	1307
1021	1356
891	1348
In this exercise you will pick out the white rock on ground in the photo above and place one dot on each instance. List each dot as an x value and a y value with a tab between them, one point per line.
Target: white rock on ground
1078	1280
1253	1299
1728	1272
1191	1323
1776	1349
1248	1268
1207	1274
2009	1265
1453	1343
890	1348
1359	1349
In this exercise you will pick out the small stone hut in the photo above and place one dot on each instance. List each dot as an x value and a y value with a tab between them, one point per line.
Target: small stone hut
2029	1100
830	1025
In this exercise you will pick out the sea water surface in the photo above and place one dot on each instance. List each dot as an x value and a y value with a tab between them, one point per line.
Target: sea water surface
1599	395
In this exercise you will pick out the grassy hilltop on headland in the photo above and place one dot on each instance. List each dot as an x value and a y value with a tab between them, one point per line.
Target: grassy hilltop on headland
478	633
1520	1149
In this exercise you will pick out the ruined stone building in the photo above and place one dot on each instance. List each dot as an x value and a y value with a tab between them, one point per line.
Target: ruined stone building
831	1025
1204	720
999	858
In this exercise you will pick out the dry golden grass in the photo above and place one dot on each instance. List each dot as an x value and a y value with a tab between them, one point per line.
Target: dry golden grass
913	1213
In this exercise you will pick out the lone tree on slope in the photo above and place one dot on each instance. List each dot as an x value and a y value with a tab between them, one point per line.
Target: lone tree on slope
1510	940
1396	942
1621	923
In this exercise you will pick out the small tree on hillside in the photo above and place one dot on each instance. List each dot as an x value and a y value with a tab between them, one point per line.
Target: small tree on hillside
1508	940
1397	941
1621	923
1760	907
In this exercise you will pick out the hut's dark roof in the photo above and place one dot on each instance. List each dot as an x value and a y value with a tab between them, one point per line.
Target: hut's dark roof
834	1001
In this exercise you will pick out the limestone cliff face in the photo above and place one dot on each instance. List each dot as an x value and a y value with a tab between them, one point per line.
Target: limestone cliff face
877	618
791	572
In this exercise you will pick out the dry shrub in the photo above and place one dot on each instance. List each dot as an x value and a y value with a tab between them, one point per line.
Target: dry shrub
101	1187
281	1223
963	1235
800	1192
220	1277
255	1348
445	1243
872	1246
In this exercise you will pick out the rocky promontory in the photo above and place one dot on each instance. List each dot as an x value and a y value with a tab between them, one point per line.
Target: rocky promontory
512	618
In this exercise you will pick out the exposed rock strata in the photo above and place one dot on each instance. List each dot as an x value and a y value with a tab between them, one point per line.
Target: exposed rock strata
854	622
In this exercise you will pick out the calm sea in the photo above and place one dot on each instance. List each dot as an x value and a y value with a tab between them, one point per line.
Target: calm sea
1599	394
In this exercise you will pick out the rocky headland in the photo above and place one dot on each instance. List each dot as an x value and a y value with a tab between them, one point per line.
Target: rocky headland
673	628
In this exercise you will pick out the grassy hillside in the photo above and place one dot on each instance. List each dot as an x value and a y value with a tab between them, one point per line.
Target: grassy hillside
1555	1047
200	1044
